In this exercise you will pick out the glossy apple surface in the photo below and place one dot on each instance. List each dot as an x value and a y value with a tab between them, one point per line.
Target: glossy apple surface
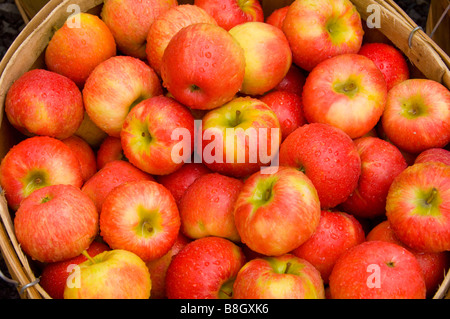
85	155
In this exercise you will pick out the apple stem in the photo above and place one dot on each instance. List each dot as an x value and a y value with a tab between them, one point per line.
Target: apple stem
85	254
432	196
237	120
288	265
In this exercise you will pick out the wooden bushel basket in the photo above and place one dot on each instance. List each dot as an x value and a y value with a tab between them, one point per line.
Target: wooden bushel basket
26	53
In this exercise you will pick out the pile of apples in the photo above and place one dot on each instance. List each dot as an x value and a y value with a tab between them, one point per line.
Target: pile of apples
126	186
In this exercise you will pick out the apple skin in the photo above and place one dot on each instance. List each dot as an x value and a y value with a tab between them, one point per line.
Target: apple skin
244	113
417	207
434	265
114	87
34	163
90	132
268	56
75	51
42	102
393	268
321	150
130	21
434	155
417	115
381	162
85	155
167	25
146	135
276	213
336	233
55	223
318	30
196	63
110	176
282	277
347	91
276	18
141	217
113	274
293	81
229	13
179	181
54	275
207	207
389	60
109	150
288	109
204	269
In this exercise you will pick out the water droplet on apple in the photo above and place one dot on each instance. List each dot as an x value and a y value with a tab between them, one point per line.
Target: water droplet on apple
208	55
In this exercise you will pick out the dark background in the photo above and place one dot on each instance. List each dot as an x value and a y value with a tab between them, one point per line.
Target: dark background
11	24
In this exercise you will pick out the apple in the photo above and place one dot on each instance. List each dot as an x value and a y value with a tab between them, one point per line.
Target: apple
203	66
381	162
34	163
417	206
179	181
207	207
434	265
110	176
141	217
114	87
434	155
347	91
167	25
245	136
85	155
336	233
149	138
74	51
109	150
288	109
276	213
328	157
276	18
130	21
417	115
158	267
389	60
90	132
320	29
54	275
281	277
204	269
114	274
56	222
293	81
268	56
229	13
41	102
377	270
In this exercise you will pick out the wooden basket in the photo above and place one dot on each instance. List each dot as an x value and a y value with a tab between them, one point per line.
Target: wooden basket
27	53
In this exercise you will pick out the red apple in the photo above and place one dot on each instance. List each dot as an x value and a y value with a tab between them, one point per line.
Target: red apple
381	162
167	25
141	217
276	213
55	223
293	81
288	109
434	155
328	157
204	269
276	18
417	206
149	135
207	207
130	21
417	115
34	163
320	29
268	56
109	150
389	60
336	233
114	87
85	155
377	270
282	277
229	13
110	176
90	132
74	51
41	102
347	91
54	275
203	66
